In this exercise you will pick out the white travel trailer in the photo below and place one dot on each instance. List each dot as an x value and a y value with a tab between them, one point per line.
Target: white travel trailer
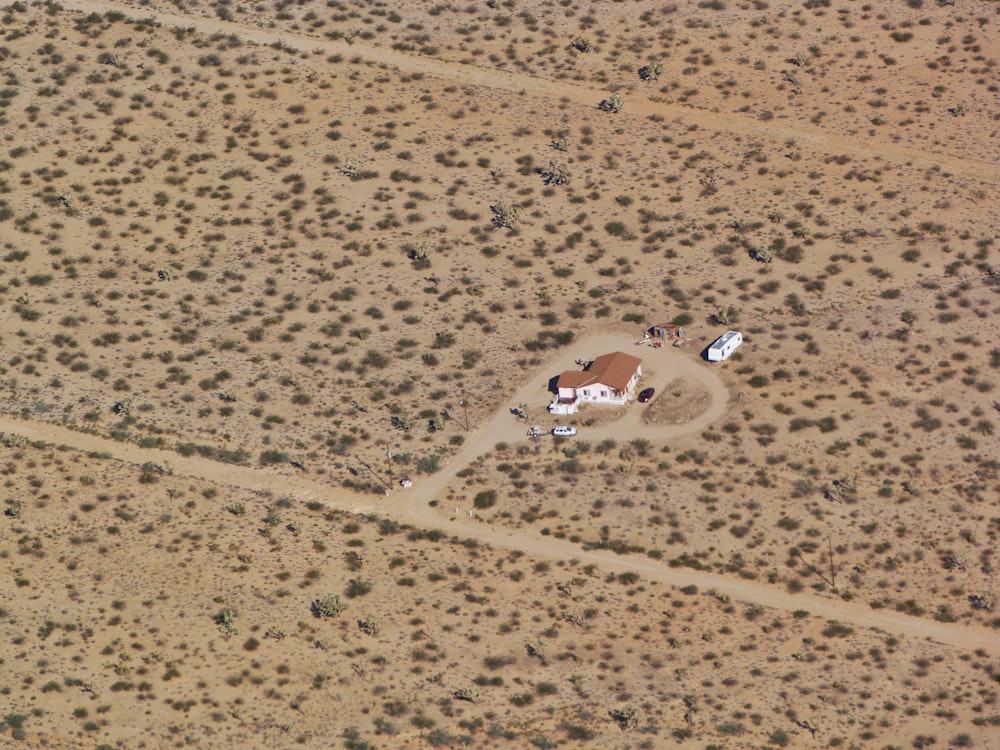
725	345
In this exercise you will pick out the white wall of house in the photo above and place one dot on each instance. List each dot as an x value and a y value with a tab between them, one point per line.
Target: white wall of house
595	393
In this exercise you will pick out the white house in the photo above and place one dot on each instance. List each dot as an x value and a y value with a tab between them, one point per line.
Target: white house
725	345
610	379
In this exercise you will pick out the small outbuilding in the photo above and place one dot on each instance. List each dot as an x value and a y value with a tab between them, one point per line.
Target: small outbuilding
724	346
667	331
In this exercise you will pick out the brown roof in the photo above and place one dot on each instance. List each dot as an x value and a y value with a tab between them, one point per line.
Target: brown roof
613	370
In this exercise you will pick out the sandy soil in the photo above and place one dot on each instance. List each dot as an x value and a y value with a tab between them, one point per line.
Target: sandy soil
247	250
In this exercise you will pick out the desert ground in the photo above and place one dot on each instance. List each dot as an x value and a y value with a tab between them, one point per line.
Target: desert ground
261	262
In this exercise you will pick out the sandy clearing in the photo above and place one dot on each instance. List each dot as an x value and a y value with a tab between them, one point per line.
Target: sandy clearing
638	103
412	506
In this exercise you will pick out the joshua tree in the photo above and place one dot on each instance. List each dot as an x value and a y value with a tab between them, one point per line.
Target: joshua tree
614	103
350	170
470	694
14	507
354	559
13	441
651	70
421	255
844	489
958	110
583	44
505	215
537	651
723	315
708	183
226	620
329	606
762	254
626	718
956	562
561	141
809	725
369	625
557	173
984	601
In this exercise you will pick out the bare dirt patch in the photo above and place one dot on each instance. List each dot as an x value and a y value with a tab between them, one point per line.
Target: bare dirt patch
681	401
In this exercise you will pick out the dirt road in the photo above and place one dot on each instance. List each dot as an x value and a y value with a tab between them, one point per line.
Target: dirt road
412	506
639	104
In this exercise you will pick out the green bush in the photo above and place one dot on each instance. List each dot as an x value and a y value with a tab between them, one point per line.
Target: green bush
357	587
485	499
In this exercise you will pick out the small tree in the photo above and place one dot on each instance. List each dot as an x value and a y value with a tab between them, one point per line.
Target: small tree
505	215
561	141
651	70
329	606
351	170
956	562
583	44
557	173
762	254
626	718
420	255
959	110
723	316
614	103
354	559
369	625
470	694
984	602
226	620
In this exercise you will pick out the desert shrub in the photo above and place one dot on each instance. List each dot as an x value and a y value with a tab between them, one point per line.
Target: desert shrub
485	499
357	587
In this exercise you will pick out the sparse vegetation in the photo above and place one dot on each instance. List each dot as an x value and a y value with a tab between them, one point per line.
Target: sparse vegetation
259	347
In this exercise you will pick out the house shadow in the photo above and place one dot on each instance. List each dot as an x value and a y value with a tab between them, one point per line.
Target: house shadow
554	384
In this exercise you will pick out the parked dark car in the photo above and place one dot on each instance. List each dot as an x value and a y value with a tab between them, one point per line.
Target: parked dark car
646	394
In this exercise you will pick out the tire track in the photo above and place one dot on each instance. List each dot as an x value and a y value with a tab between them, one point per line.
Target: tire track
526	84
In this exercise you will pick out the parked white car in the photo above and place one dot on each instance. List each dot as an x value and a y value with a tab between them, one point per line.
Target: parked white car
564	431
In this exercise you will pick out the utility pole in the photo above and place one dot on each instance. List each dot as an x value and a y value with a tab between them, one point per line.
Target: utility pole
465	405
833	571
388	462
